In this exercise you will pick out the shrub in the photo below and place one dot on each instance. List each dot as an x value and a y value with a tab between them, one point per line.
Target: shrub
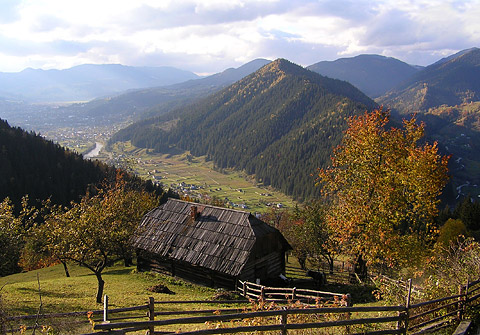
453	266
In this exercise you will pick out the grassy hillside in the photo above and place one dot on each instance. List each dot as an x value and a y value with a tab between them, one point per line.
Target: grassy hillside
124	286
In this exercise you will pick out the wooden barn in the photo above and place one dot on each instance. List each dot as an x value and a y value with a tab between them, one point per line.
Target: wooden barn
209	245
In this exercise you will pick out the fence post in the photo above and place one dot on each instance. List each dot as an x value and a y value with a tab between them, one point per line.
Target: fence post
349	300
407	307
284	320
245	288
465	302
460	303
294	293
105	308
262	292
151	315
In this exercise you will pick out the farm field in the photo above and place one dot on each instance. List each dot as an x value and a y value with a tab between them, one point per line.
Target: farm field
196	178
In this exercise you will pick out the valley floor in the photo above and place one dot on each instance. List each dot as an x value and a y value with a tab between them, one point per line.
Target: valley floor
196	178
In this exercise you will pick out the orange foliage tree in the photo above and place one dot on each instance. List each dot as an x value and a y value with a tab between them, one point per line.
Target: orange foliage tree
383	184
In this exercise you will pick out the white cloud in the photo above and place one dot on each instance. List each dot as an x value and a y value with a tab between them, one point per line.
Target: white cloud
207	36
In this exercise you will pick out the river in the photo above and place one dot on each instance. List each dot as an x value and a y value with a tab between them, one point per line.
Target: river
95	151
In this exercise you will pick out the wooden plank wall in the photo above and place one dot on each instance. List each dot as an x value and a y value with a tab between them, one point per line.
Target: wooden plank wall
268	266
195	274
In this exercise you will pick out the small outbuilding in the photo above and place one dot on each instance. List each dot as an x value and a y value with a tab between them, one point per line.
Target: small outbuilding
209	245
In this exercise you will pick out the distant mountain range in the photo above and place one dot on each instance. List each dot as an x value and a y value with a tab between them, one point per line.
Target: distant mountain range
85	82
450	81
131	105
212	126
279	124
144	103
374	75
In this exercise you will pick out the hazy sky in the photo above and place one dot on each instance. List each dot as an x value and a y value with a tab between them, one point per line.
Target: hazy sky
207	36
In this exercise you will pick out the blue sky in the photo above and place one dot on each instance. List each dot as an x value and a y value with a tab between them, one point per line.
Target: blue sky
208	36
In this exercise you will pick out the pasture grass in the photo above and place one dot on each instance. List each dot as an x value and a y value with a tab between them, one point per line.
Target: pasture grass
124	286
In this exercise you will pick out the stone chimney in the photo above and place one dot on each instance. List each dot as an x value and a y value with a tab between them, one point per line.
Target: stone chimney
194	212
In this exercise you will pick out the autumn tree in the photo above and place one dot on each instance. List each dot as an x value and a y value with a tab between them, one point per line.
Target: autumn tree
13	228
44	242
451	266
315	235
10	238
450	232
383	184
293	228
306	231
95	232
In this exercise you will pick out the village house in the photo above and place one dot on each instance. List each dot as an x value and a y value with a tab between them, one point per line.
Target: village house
209	245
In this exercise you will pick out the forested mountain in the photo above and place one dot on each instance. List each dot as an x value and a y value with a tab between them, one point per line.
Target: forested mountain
85	82
374	75
450	81
41	169
280	124
457	129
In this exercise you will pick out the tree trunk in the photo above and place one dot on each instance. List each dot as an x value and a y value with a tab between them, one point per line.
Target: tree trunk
67	274
302	259
361	267
128	260
101	284
331	265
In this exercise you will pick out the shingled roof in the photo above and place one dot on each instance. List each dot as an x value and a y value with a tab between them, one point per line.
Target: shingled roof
220	239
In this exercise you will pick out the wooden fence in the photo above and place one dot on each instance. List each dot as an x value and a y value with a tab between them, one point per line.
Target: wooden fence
272	320
440	313
375	320
342	273
277	294
409	319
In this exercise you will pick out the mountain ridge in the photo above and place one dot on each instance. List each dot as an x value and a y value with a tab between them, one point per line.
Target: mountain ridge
372	74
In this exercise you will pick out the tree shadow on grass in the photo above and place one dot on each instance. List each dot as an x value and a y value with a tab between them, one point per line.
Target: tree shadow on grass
124	271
